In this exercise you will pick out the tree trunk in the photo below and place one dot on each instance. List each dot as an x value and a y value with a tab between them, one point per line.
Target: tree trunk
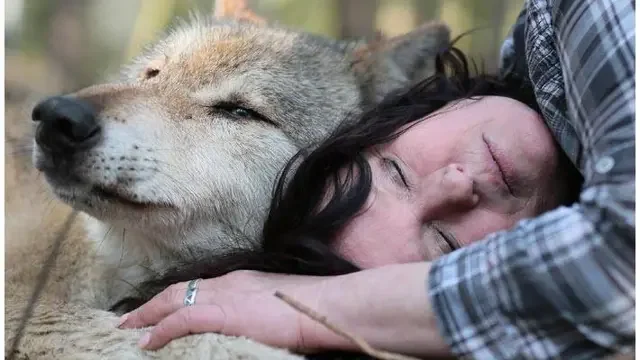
357	18
66	42
427	10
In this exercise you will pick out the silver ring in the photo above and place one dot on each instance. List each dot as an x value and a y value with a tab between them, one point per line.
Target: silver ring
192	290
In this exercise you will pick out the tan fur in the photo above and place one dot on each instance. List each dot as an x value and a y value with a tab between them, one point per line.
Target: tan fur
208	174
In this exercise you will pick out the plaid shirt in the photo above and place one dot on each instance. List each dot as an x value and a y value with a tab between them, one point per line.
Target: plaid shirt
560	286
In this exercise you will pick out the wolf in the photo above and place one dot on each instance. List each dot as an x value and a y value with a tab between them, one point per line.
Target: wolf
174	160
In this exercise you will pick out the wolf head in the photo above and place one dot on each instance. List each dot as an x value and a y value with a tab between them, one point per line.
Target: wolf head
183	149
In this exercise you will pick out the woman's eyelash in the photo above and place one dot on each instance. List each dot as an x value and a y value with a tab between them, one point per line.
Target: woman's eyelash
447	238
398	170
240	112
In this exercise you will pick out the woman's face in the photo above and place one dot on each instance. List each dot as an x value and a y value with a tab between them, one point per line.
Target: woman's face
472	168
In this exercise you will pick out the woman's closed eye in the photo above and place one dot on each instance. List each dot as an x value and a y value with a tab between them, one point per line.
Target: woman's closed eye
446	240
396	171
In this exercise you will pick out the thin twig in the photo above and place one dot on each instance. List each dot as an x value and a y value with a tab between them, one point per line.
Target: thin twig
42	281
360	342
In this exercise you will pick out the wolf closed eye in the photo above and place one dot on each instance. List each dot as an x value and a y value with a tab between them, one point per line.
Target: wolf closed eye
240	112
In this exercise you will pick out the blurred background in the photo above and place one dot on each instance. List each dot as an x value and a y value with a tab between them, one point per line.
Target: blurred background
55	46
67	44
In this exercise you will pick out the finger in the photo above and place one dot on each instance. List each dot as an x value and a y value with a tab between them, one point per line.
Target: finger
190	320
160	306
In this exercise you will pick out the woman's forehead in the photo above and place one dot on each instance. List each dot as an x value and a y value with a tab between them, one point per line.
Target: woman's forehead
471	111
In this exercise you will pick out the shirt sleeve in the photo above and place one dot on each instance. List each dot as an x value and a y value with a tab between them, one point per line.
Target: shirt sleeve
560	286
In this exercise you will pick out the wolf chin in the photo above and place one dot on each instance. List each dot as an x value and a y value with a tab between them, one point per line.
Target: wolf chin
174	161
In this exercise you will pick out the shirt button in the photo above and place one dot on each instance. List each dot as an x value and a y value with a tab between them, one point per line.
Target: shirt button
605	164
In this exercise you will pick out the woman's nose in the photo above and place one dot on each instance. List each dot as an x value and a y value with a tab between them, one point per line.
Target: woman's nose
447	190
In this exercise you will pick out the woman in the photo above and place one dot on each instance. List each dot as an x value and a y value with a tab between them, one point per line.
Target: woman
580	302
427	171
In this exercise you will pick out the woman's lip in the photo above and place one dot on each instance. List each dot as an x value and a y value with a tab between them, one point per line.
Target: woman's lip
498	161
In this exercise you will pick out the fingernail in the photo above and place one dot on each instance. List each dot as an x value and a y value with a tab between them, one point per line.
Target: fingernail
123	319
144	340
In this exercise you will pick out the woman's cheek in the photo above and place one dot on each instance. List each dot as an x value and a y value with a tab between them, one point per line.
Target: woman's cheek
477	225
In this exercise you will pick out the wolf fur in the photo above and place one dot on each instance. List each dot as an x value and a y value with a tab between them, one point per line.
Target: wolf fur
193	135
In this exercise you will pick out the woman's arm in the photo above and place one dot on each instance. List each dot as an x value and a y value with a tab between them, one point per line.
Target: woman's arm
387	306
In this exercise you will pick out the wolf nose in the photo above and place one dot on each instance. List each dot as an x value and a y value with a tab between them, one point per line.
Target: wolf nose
66	124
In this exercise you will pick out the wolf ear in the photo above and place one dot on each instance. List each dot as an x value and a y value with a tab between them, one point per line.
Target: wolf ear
387	64
236	9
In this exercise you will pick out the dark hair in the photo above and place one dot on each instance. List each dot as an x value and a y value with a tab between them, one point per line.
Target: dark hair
298	230
297	224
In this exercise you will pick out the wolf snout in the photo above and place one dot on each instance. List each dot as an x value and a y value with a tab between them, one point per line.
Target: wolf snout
65	125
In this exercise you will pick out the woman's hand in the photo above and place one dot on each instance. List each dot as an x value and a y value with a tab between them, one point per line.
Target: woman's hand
386	306
241	303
